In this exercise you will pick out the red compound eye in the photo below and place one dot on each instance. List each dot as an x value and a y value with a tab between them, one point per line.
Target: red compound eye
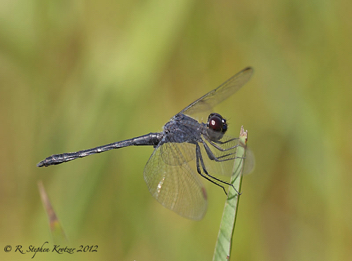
215	123
217	126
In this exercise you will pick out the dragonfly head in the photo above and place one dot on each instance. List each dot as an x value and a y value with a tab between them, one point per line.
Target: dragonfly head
217	126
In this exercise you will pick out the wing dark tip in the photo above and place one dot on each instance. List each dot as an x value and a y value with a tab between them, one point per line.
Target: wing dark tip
249	68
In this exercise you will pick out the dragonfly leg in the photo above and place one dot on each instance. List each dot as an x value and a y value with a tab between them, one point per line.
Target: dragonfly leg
218	159
215	144
200	160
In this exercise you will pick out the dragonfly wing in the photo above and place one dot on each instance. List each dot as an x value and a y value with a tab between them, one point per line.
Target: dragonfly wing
216	96
175	186
177	153
249	163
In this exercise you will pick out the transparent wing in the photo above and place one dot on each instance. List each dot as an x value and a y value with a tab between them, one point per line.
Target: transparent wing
249	163
175	186
224	91
177	153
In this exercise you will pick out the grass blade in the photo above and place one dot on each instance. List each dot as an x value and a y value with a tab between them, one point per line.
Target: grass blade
57	232
227	226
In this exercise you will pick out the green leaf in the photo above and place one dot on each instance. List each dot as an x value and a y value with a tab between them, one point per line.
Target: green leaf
223	244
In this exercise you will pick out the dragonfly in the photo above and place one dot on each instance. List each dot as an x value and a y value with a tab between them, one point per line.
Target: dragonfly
188	148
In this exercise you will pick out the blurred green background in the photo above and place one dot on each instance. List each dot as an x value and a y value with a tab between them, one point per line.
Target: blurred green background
78	74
